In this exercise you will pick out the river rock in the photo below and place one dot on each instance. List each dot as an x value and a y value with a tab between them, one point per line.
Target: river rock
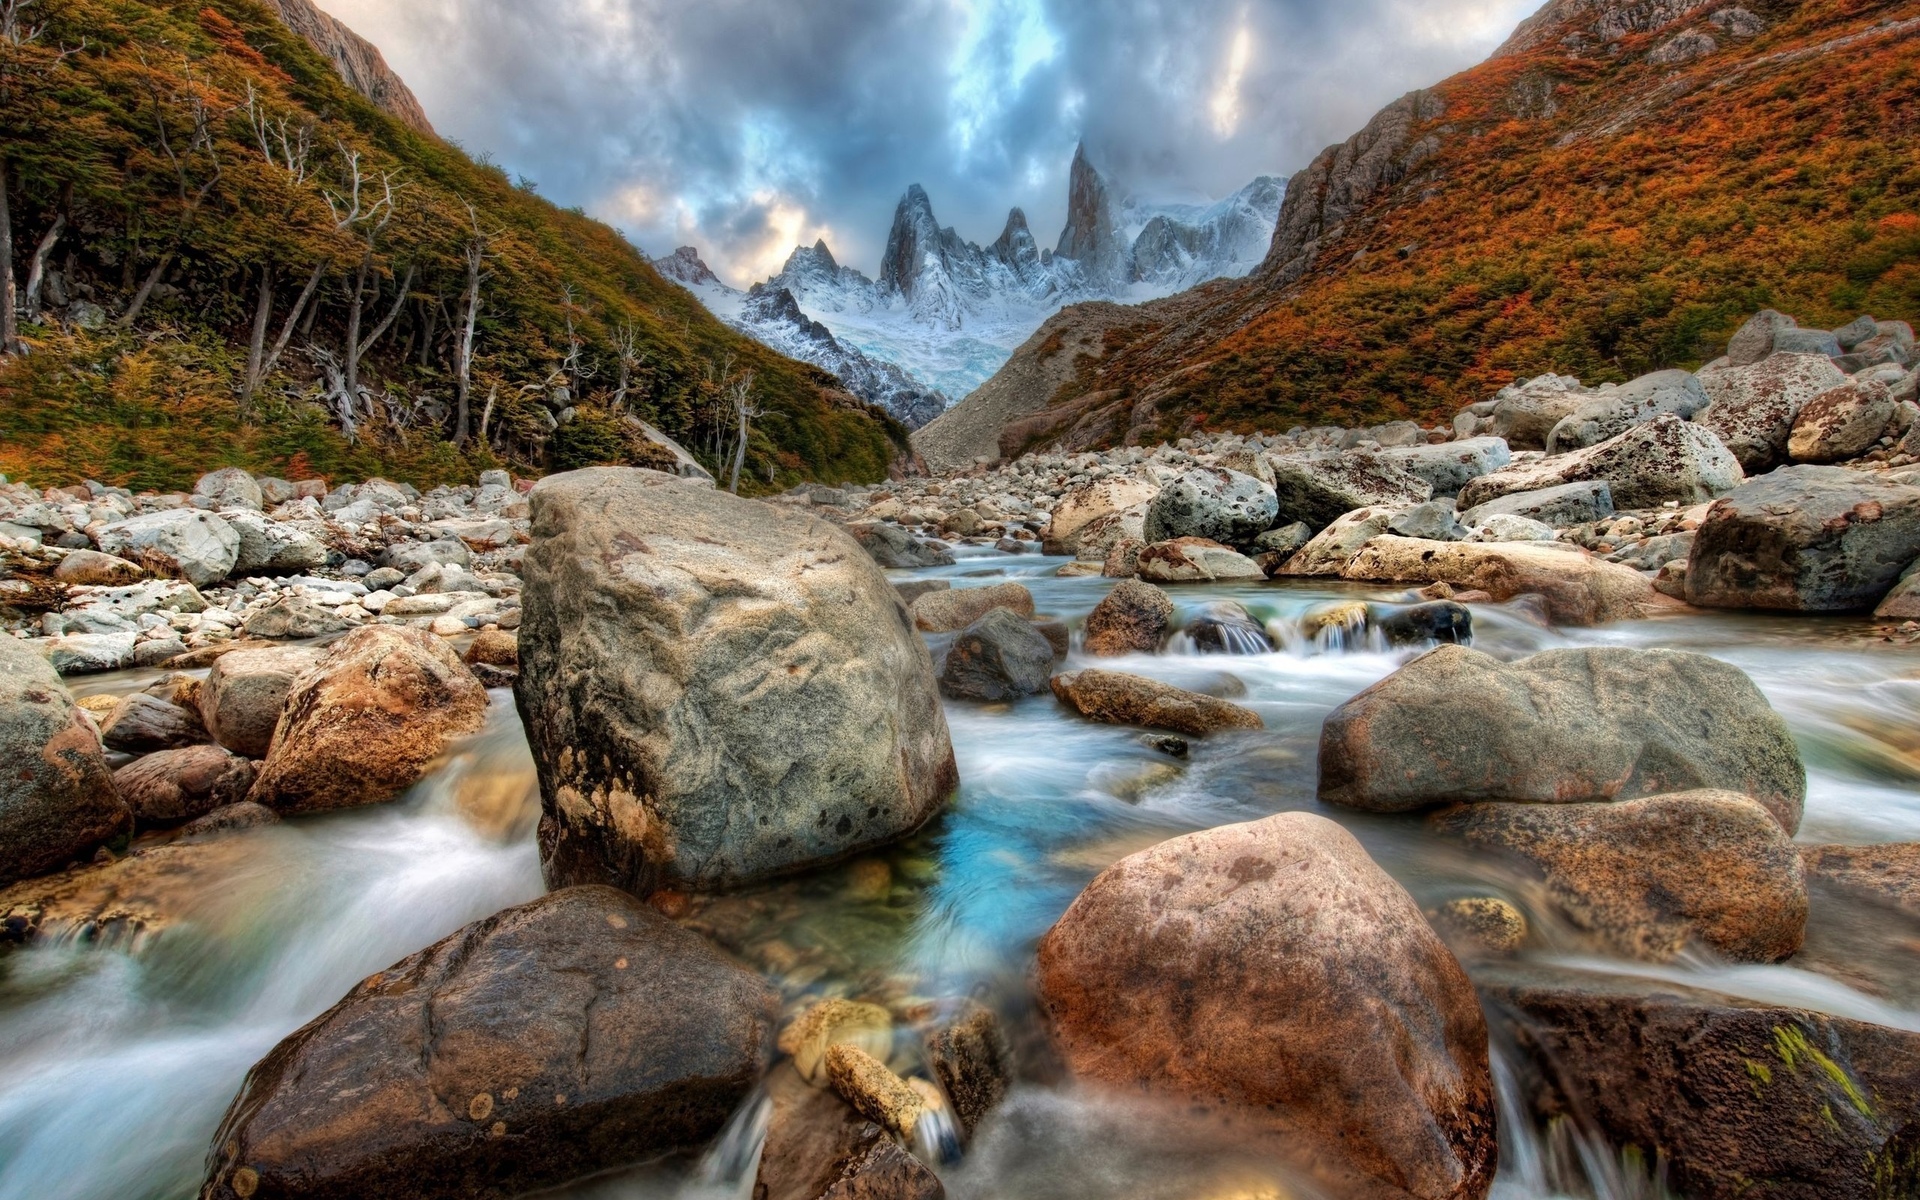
1610	412
181	543
1226	627
1841	423
1809	539
969	1054
1448	466
1754	341
1272	974
892	546
1089	502
1131	619
179	785
1578	588
289	617
367	721
1195	560
1214	504
1335	546
1560	727
1433	520
946	611
1505	527
1319	488
1741	1098
817	1148
273	547
871	1089
1097	538
577	1033
1418	624
716	690
409	557
230	487
997	658
1754	407
493	648
1666	459
142	724
1117	698
1650	877
241	698
91	568
57	799
1524	414
91	653
1561	506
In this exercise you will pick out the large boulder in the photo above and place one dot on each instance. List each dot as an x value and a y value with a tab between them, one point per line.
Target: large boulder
1666	459
229	487
1524	414
367	720
1448	466
1118	698
1610	412
1195	560
409	557
1841	423
1133	618
179	785
1082	506
1320	487
1560	506
581	1032
716	690
999	657
1651	877
1753	342
1271	974
1565	726
1739	1098
1807	539
1754	407
948	609
272	547
184	543
241	697
1219	505
57	799
1334	547
1578	588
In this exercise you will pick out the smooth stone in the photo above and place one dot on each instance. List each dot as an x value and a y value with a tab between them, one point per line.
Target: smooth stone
57	799
1117	698
142	724
1195	560
1561	506
999	657
1577	588
1133	618
947	610
245	691
179	785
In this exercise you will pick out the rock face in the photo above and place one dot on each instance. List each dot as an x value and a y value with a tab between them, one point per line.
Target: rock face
1219	505
1271	973
1561	727
1117	698
716	690
1649	877
57	799
1320	488
1645	467
1131	619
358	61
583	1024
1743	1099
1578	588
1808	539
1754	407
999	657
241	698
181	542
367	721
179	785
1841	423
949	609
1610	413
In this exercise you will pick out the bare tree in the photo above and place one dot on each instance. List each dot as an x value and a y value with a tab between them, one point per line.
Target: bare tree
288	146
463	348
739	393
16	32
37	272
574	366
200	143
9	319
364	208
626	346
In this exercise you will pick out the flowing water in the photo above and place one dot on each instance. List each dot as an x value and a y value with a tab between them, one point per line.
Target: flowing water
119	1052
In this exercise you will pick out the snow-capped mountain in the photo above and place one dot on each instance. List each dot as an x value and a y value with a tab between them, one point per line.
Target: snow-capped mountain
945	313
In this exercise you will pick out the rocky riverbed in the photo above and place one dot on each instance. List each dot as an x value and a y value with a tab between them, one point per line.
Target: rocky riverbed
1525	808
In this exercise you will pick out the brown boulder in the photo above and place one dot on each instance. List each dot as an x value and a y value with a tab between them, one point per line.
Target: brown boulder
1117	698
179	785
1650	877
970	1056
141	724
1195	560
946	611
1272	974
1131	619
493	648
818	1148
366	722
1578	588
580	1032
241	698
57	800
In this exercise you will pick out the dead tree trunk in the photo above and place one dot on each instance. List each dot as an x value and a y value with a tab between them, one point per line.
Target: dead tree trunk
257	344
463	349
258	375
9	322
37	273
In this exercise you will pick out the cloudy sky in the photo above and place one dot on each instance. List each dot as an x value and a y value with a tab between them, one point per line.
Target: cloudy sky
745	127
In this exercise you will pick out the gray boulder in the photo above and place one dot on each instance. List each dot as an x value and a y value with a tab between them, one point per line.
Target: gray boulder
272	547
1754	407
1319	488
1856	331
1561	506
1841	423
1219	505
1754	341
999	657
1225	627
57	799
1806	341
91	653
1433	521
1610	412
1448	466
1457	727
290	617
716	690
1648	465
1524	414
230	487
558	1039
1807	539
412	556
895	548
181	542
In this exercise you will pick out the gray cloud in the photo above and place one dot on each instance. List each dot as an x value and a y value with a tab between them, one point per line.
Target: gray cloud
743	126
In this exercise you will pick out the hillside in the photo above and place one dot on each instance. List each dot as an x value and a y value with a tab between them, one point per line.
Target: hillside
206	285
1611	193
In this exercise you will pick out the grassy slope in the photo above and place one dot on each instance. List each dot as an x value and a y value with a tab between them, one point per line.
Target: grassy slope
1761	176
154	406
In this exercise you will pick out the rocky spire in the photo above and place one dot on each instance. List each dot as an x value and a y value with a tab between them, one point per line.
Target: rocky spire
1092	236
915	233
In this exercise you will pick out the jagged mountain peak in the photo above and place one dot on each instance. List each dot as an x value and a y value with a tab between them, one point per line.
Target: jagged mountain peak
359	61
1091	237
685	266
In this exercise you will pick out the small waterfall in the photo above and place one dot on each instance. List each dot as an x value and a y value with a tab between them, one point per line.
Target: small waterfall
1561	1161
727	1170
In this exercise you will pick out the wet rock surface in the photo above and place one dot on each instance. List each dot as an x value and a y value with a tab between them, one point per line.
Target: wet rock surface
1117	698
57	799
